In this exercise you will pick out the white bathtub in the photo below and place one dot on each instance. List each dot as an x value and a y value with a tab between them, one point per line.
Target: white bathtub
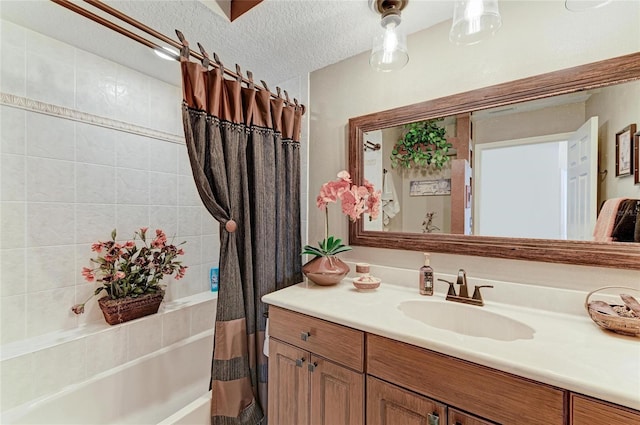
169	386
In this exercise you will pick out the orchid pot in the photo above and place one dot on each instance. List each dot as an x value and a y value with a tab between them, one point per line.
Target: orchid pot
326	268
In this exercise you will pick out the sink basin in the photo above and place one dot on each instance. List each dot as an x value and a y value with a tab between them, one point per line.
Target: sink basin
466	320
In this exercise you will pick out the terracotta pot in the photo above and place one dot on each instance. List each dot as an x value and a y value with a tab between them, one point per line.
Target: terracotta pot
128	308
325	271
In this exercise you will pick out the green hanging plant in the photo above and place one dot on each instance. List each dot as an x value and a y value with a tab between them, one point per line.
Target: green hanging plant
423	144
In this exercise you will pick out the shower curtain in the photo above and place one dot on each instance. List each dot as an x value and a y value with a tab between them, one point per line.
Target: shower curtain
244	152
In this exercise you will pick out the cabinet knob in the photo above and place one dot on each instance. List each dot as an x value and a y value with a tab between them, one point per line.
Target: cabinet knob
312	366
305	336
299	362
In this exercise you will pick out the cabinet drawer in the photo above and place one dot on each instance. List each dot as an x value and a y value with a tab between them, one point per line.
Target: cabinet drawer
457	417
489	393
588	411
338	343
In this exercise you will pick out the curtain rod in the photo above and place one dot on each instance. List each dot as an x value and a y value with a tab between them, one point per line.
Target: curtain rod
144	28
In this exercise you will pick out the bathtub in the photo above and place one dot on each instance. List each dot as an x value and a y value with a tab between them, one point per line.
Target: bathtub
168	386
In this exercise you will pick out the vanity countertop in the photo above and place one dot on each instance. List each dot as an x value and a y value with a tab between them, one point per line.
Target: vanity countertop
567	350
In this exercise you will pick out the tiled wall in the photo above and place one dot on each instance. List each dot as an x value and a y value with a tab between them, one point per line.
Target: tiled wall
66	183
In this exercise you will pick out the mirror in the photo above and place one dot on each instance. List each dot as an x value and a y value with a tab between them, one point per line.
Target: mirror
466	207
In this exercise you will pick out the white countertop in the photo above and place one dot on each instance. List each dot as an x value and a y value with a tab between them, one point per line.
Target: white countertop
567	350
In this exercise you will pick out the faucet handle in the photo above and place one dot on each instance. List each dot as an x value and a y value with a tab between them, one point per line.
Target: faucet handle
476	292
452	289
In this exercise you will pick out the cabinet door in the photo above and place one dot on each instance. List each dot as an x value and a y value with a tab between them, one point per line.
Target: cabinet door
391	405
588	411
337	394
458	418
288	384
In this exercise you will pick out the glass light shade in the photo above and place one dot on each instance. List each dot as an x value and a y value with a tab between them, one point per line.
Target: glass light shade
582	5
474	20
389	51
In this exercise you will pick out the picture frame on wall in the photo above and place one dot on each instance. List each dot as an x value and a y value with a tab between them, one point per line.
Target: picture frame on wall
624	151
636	158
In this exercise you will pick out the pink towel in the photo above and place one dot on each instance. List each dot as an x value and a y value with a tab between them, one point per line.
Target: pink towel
606	220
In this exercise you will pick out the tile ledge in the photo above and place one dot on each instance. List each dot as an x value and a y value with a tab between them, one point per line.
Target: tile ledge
42	342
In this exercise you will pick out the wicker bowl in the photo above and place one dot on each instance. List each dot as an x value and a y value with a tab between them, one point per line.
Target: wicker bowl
622	325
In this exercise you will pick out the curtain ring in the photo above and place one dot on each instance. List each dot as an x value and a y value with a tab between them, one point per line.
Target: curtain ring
230	226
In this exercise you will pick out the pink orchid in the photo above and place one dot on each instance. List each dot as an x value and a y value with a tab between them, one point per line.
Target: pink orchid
88	274
120	275
96	247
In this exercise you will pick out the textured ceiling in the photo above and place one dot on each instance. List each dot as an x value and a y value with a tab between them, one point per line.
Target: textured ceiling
277	40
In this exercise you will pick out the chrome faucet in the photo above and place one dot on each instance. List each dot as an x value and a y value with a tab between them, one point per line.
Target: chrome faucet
463	293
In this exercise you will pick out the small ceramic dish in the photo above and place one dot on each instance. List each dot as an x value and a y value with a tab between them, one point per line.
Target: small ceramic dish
365	283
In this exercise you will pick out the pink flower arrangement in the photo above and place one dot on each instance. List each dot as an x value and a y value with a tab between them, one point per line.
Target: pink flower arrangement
355	201
126	270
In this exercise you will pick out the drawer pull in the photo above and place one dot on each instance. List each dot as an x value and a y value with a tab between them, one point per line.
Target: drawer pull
299	362
433	419
305	336
312	366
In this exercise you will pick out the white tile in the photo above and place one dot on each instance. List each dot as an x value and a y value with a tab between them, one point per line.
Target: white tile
176	326
130	218
106	350
163	189
50	224
12	177
12	319
184	166
187	192
92	312
132	187
132	151
39	44
17	377
50	137
209	224
210	249
132	93
165	106
95	145
13	71
12	272
12	225
12	130
164	218
50	267
95	184
12	35
50	180
192	250
203	317
94	222
50	310
145	336
60	366
95	84
50	80
189	221
162	156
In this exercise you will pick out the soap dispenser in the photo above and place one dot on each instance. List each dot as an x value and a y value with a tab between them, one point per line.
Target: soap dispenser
426	277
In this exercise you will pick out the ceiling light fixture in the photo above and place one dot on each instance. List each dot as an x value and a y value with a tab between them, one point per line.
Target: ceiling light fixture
582	5
474	20
166	53
389	51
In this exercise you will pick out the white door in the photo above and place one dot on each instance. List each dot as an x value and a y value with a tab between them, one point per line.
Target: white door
582	157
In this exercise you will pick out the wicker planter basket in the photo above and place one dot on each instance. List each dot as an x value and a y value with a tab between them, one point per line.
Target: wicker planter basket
618	324
124	309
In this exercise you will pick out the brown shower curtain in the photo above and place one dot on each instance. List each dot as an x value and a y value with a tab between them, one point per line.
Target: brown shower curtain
244	152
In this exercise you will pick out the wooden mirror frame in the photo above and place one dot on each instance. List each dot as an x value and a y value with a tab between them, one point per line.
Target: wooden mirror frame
584	77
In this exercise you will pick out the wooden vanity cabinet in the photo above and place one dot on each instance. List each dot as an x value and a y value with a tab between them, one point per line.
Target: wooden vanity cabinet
590	411
388	404
457	417
315	371
491	394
